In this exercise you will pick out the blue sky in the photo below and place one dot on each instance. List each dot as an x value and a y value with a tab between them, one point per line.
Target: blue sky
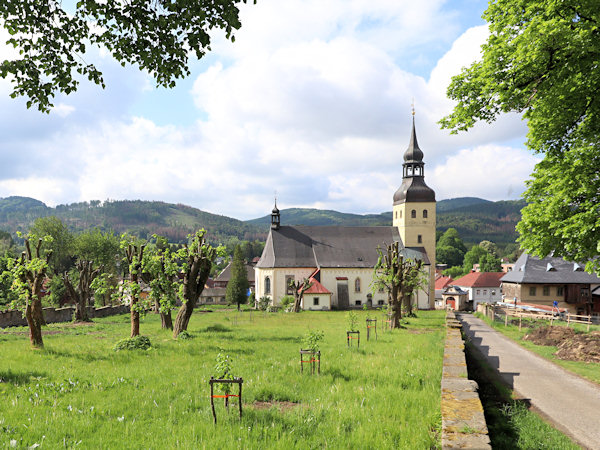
311	101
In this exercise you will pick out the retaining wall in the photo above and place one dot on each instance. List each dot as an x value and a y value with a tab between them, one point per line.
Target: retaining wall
54	315
463	422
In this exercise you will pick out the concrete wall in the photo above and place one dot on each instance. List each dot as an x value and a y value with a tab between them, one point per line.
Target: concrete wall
57	315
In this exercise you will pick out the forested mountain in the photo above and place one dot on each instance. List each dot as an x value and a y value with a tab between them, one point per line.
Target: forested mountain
142	218
474	218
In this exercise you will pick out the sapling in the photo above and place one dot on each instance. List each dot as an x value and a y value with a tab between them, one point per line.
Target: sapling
312	339
224	371
352	321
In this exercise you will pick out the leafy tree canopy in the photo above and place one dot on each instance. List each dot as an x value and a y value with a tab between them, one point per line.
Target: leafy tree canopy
450	248
237	287
61	242
489	263
541	59
156	35
472	257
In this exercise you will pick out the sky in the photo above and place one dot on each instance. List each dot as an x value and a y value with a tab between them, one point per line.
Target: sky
312	103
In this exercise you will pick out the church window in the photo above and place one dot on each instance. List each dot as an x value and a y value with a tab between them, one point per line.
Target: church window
401	214
424	214
289	279
267	285
380	302
357	285
413	214
396	214
420	239
358	303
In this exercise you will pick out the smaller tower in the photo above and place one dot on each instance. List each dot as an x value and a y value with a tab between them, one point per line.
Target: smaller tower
275	217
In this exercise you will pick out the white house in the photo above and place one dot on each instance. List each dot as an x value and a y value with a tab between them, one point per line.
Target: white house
483	287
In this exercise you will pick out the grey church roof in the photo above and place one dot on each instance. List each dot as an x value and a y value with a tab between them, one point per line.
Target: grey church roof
330	246
550	270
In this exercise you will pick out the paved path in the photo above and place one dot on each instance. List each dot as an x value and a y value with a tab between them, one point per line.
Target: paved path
571	402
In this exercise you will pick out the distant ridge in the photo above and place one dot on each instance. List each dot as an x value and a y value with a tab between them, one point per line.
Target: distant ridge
475	219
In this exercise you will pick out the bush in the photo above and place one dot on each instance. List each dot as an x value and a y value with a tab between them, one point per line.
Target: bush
263	303
134	343
286	301
185	335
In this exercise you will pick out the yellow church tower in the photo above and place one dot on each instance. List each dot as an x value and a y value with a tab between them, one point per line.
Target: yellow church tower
414	208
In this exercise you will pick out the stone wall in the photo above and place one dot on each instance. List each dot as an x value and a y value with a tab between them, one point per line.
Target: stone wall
55	315
463	422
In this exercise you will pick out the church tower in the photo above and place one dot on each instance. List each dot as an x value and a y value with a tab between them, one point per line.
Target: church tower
414	208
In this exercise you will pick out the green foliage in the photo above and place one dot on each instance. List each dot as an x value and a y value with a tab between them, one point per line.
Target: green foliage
263	303
185	335
563	216
7	295
538	60
311	340
61	243
450	248
237	287
134	343
57	291
101	247
52	50
286	301
489	263
160	267
455	272
472	257
224	371
352	320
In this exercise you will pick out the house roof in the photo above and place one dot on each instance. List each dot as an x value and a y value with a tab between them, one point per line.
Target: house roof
452	289
549	270
225	275
316	288
330	246
442	282
480	279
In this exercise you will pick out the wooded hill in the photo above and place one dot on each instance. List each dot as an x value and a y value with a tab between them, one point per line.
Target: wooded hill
474	218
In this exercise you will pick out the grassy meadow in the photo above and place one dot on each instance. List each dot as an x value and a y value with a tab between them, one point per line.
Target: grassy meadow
79	392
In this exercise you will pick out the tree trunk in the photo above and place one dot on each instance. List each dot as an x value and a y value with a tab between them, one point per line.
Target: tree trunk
81	314
183	317
396	308
166	320
35	326
135	318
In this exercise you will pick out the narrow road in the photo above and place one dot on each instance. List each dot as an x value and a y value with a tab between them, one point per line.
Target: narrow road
572	403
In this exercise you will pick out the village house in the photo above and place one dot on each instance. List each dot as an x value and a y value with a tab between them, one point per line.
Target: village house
441	283
544	281
340	260
482	287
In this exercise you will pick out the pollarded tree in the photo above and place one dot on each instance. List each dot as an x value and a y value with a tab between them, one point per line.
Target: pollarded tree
197	256
541	59
61	243
160	270
299	288
134	253
401	276
158	36
81	293
237	287
29	273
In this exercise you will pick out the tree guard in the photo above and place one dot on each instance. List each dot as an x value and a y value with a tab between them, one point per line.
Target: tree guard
212	381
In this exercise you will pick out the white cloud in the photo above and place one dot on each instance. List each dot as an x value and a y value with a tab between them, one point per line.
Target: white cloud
313	100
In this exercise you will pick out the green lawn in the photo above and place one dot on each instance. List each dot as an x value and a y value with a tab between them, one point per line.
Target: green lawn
591	371
78	392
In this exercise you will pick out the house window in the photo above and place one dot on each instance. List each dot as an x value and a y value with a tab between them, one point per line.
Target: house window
209	300
485	292
559	291
532	290
478	291
493	292
380	302
546	290
289	289
358	303
419	239
315	301
413	214
267	285
357	285
424	214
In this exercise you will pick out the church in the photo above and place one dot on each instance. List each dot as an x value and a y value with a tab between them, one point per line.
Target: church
339	261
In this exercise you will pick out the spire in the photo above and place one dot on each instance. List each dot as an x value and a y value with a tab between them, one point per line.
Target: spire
413	152
275	217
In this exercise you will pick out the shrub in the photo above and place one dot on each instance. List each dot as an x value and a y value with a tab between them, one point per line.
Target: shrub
134	343
185	335
286	301
263	303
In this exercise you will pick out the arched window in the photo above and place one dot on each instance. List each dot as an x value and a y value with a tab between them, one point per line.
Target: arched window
424	214
401	214
396	214
267	285
357	285
413	214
